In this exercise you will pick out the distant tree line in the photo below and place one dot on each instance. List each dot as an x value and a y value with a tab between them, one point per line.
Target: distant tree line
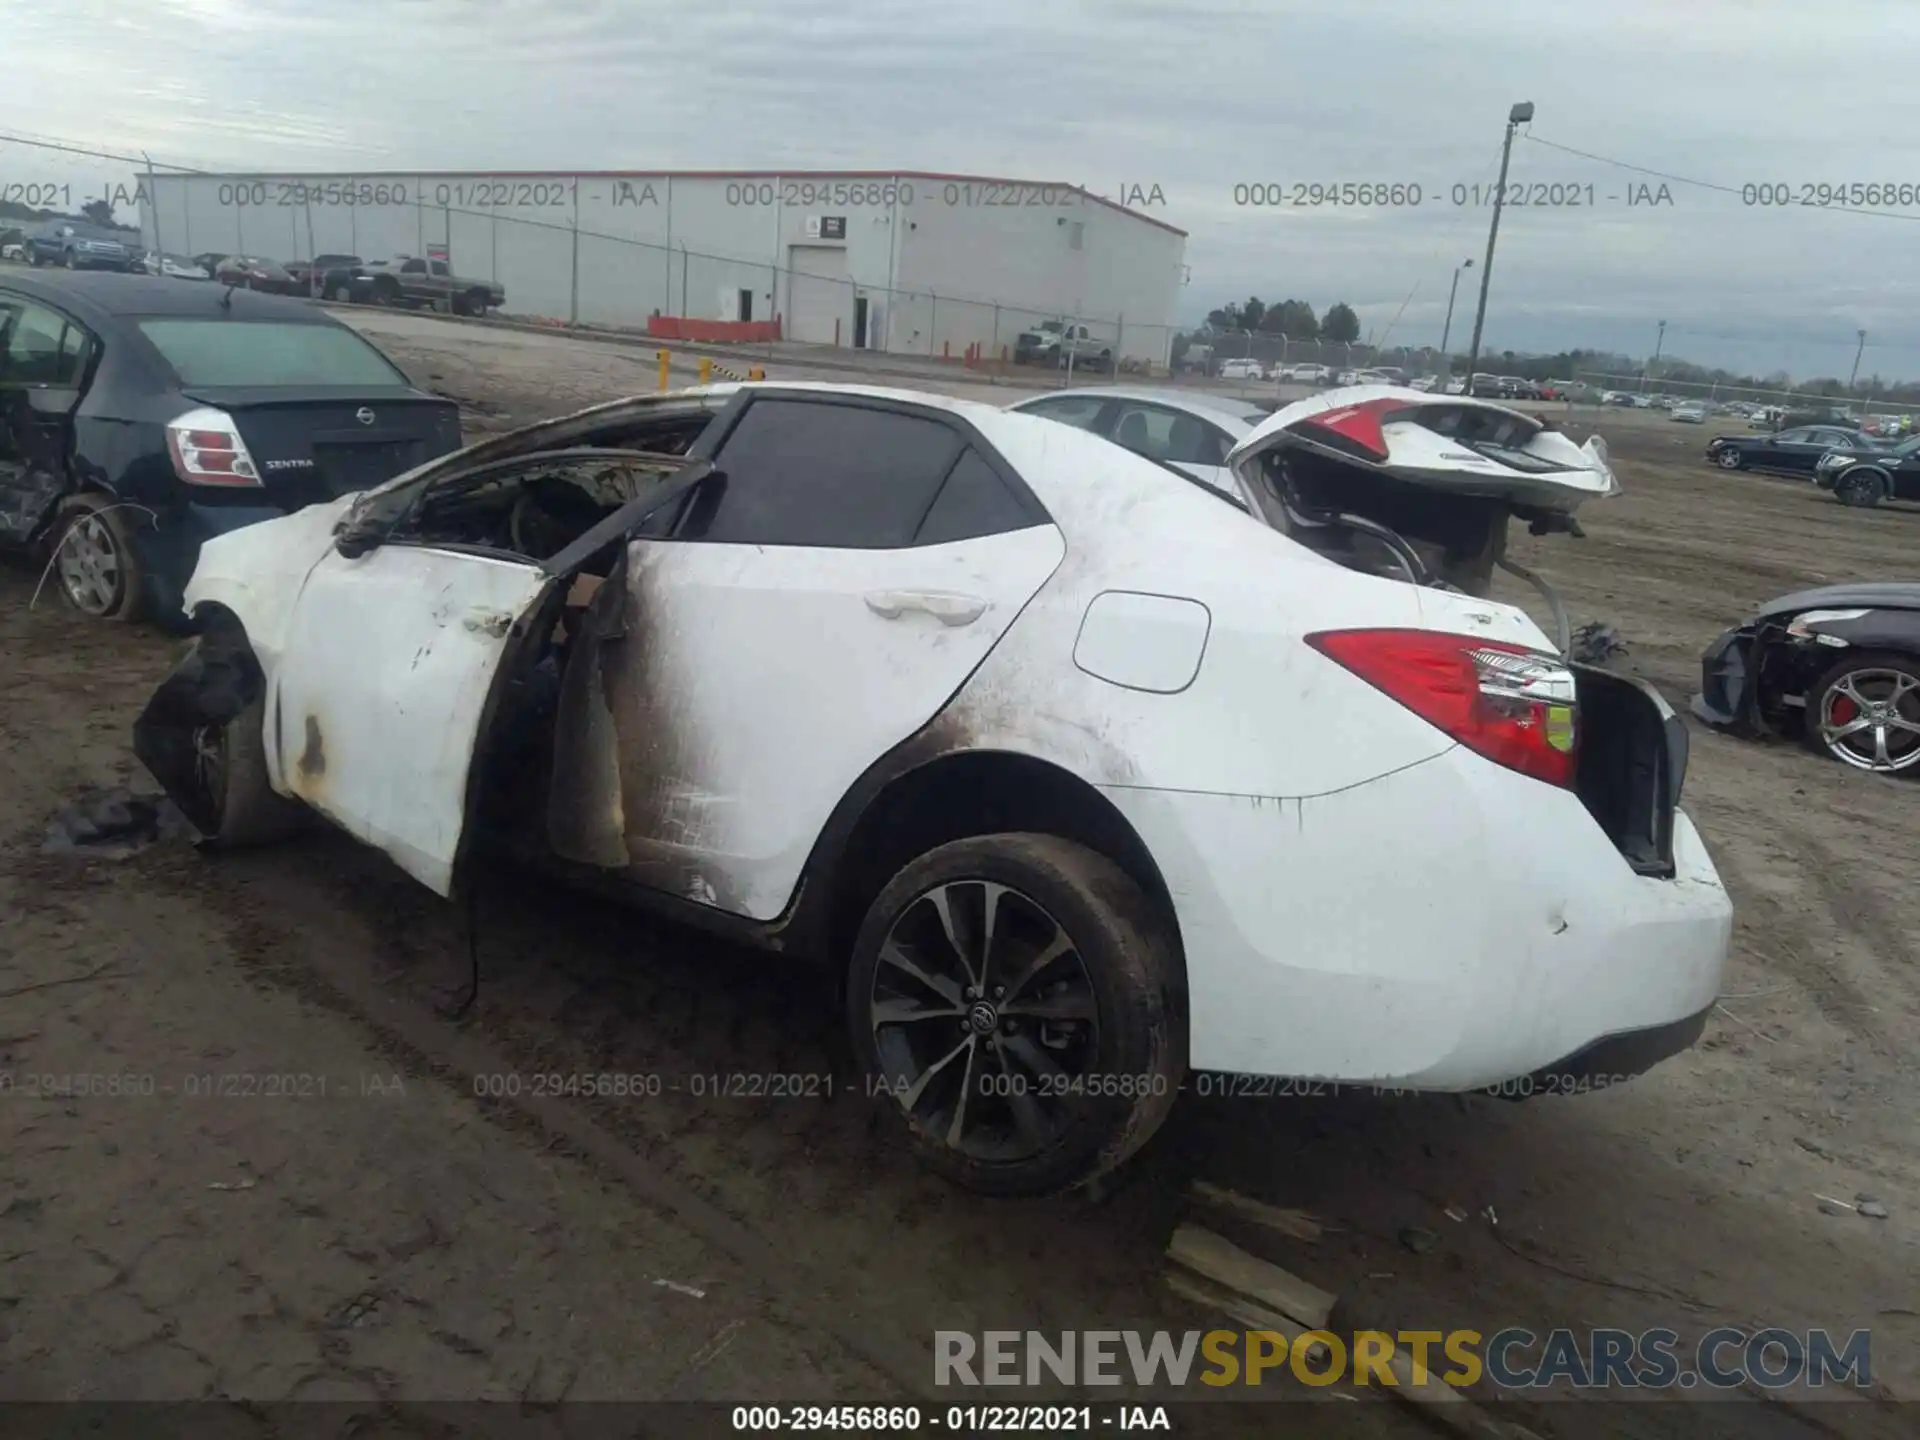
1296	322
1293	319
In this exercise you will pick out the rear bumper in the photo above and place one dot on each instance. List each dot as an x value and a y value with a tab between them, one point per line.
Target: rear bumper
1451	926
1608	1061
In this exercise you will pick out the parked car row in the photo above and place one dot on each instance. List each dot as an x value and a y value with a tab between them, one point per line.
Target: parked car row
618	646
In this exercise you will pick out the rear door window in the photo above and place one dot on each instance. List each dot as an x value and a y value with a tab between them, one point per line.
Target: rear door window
809	473
270	354
973	502
42	347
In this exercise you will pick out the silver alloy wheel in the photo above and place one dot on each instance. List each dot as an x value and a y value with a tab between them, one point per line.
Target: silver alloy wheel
1870	718
1727	457
984	1020
90	570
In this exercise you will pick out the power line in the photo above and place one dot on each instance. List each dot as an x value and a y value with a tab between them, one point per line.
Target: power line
1739	190
140	161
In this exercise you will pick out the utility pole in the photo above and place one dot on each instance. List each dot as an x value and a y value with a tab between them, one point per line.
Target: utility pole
1519	115
1855	373
1659	343
1446	330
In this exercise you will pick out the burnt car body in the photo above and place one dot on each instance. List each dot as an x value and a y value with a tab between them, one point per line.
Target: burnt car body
1864	478
140	416
1838	666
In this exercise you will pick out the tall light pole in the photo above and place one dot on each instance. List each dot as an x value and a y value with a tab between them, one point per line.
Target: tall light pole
1659	344
1516	117
1447	330
1854	374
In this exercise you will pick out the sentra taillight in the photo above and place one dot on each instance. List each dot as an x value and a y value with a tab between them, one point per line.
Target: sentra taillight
207	450
1515	706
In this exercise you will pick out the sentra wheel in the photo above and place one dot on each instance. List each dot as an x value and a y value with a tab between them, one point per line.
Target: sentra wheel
1866	711
98	572
1728	457
1012	1000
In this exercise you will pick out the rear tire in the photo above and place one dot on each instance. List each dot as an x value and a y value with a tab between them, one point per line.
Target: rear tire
1065	1054
1860	488
94	561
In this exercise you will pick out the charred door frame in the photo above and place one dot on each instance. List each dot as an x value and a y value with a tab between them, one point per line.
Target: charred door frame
803	924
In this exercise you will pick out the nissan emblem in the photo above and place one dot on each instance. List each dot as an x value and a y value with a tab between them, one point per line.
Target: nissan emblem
363	415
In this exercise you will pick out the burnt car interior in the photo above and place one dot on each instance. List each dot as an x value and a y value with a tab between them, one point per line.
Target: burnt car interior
536	506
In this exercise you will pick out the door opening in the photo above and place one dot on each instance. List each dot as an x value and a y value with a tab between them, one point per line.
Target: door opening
859	322
746	304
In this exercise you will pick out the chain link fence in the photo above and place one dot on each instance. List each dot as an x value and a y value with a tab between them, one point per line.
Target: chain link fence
1864	408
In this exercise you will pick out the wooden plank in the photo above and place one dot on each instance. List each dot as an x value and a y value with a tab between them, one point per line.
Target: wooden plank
1297	1223
1225	1263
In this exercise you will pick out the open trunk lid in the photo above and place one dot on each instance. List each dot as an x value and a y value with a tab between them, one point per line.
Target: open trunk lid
320	442
1452	445
1422	487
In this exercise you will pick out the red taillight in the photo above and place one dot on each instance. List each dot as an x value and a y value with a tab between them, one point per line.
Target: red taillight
1517	707
207	450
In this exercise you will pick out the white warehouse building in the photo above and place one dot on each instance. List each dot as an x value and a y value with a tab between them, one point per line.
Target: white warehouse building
909	262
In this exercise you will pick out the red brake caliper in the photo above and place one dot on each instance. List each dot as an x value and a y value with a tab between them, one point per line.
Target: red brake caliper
1843	710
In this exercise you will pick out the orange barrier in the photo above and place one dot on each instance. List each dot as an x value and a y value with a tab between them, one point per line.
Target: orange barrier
711	332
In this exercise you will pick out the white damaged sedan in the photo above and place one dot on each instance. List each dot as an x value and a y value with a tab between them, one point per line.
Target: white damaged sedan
1075	773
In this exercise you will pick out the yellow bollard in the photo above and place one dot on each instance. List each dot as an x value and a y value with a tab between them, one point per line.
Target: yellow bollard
756	373
665	357
706	370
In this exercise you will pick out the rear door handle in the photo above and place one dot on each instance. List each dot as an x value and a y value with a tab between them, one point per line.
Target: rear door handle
948	609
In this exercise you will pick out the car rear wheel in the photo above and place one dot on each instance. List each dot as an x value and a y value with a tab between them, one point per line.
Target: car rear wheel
340	294
1011	1001
1865	711
1728	457
1860	487
94	560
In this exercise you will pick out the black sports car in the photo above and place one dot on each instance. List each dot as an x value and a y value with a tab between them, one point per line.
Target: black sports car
1866	478
1793	452
140	416
1839	666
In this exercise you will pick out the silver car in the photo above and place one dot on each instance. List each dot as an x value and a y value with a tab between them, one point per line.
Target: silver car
1192	431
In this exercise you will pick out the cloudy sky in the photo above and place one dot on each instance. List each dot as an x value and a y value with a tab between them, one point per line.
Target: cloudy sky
1195	97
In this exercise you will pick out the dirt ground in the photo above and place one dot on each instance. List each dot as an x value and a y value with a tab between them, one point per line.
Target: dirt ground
370	1229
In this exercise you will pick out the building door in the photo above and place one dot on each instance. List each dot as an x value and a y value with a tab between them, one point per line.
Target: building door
859	322
817	294
746	305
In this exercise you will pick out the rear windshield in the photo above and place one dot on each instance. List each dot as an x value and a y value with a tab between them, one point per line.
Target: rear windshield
268	354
